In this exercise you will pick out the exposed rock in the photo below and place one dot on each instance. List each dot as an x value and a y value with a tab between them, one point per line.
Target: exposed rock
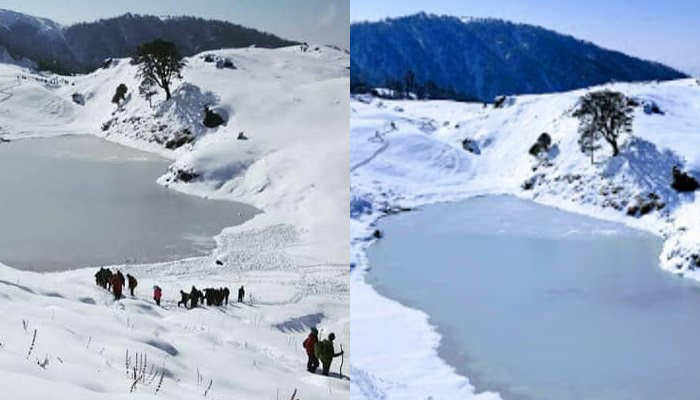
471	146
120	93
644	204
179	140
532	181
503	101
632	210
569	178
545	140
651	107
107	124
225	63
541	146
682	182
107	63
377	234
78	98
209	58
185	175
499	101
242	136
212	119
359	206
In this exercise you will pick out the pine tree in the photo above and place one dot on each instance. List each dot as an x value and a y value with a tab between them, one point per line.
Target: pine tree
409	83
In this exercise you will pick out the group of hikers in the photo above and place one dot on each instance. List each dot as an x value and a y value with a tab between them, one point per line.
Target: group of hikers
210	296
55	81
115	282
320	350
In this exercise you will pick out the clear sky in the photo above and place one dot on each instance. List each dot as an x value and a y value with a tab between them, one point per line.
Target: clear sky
661	30
315	21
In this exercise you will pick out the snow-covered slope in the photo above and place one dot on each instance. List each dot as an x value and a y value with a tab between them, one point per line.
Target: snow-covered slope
292	258
406	154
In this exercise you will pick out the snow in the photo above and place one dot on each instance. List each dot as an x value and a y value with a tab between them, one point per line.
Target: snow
406	154
8	18
292	258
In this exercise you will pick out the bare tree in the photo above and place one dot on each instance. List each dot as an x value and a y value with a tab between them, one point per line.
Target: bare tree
159	63
605	114
147	90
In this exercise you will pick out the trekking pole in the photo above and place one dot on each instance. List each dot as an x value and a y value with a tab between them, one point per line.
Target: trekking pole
342	359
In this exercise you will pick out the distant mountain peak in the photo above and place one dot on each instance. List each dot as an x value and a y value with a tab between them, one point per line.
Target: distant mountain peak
9	18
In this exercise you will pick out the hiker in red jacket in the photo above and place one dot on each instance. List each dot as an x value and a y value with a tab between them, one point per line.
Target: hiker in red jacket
157	294
117	285
309	343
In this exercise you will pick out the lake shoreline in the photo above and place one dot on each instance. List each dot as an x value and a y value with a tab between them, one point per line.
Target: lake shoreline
103	162
447	349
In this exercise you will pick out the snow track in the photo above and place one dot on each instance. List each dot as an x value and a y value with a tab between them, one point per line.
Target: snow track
8	92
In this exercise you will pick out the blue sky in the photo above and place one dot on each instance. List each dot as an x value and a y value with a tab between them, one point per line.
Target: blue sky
662	30
317	21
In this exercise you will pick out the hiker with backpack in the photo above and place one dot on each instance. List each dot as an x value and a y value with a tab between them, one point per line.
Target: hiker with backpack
122	280
184	300
309	344
194	297
132	283
117	285
102	277
325	352
157	294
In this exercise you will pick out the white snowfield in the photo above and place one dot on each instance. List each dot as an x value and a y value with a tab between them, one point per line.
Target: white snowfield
406	154
292	258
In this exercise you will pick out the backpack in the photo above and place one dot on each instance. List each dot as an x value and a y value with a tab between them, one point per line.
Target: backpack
324	350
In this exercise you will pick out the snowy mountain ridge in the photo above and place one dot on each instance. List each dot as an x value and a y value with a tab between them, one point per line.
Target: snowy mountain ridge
405	154
292	105
483	58
82	47
9	18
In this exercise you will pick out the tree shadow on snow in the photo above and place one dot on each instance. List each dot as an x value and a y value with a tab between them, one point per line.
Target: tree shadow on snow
300	324
25	288
188	102
642	162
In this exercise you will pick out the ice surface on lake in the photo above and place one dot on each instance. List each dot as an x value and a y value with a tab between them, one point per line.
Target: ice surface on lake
536	303
77	201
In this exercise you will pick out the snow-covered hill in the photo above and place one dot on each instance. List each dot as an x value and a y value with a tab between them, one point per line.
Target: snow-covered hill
293	258
405	154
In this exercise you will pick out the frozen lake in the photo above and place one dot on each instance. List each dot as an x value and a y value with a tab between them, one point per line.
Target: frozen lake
78	201
540	304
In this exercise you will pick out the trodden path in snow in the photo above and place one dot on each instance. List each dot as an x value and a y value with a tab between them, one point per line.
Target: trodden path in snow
257	342
8	92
